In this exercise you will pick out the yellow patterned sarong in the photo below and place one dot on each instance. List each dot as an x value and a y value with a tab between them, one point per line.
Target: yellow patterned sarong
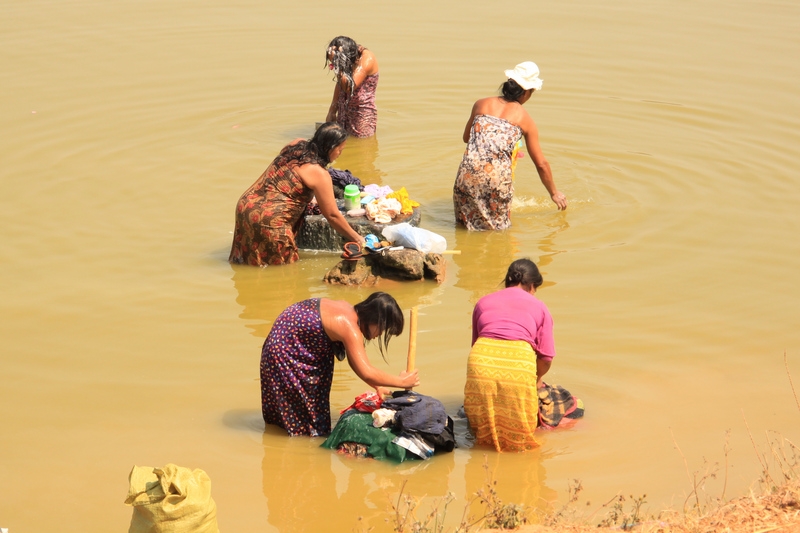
500	397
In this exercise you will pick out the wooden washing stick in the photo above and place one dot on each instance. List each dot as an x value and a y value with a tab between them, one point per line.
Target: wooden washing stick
412	340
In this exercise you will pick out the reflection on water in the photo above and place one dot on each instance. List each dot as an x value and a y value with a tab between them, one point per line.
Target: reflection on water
527	471
548	248
264	292
308	488
485	256
484	259
359	157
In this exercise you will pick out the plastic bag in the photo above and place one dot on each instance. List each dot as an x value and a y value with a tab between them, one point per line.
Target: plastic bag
173	499
365	402
425	241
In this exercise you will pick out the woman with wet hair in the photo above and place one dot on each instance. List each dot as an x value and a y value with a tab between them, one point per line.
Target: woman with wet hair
298	356
270	212
355	71
512	348
484	186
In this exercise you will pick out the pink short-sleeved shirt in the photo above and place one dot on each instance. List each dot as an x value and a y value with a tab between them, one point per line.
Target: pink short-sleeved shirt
513	314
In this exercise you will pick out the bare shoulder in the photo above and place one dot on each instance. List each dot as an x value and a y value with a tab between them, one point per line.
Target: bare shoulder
525	121
338	317
486	106
311	174
368	62
336	308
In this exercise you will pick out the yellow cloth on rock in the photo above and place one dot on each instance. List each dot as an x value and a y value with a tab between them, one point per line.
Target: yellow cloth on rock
406	203
173	499
500	396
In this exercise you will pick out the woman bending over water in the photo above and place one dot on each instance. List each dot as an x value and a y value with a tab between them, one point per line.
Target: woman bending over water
270	212
512	348
298	355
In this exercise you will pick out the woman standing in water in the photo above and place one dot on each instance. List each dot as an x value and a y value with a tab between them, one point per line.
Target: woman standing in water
298	355
356	73
484	188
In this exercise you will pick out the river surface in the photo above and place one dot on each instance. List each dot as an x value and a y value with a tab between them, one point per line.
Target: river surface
130	128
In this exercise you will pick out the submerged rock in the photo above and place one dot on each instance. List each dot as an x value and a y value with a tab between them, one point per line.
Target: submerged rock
399	265
317	234
435	267
405	264
351	273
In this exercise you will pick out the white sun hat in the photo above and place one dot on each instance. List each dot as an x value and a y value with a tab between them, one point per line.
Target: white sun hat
526	74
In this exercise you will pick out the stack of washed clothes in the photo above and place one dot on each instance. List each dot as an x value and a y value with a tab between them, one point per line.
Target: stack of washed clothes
407	426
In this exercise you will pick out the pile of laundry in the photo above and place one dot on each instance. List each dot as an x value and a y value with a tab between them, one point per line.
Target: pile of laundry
379	203
382	204
407	426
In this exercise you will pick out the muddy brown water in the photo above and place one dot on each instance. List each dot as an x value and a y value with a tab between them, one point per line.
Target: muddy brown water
131	128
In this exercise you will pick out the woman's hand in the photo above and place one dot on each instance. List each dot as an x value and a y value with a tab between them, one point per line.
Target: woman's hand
560	200
409	380
318	180
383	392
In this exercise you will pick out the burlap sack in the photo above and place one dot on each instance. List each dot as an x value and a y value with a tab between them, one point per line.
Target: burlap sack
172	499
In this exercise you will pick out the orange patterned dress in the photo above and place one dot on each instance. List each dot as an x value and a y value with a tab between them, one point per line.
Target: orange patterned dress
269	215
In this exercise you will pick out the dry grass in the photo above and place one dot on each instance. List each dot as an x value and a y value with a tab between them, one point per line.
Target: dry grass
778	511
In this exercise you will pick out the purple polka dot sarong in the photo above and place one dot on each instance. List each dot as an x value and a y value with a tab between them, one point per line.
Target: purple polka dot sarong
297	371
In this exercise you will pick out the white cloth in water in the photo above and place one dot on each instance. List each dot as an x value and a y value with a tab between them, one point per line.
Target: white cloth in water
383	210
382	417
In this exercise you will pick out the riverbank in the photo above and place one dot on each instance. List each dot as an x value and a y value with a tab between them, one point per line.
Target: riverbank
777	510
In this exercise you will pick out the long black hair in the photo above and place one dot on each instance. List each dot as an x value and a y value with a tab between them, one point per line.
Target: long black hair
343	53
523	272
511	91
382	310
317	149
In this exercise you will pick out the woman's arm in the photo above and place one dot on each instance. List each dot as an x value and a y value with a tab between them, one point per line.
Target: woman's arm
333	109
374	377
531	134
342	325
542	366
318	180
366	67
468	127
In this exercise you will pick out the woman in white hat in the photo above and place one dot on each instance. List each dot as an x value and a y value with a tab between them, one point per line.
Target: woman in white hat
484	188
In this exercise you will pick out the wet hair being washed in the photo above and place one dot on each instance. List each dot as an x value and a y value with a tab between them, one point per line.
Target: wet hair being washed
343	53
382	310
317	149
511	91
525	273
